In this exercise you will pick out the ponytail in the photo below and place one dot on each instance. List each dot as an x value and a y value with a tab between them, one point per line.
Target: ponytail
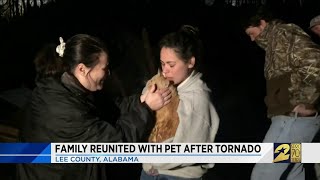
48	62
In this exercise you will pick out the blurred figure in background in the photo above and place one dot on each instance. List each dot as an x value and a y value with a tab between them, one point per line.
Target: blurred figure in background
315	25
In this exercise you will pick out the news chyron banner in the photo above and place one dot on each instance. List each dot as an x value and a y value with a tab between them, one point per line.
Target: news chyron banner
159	153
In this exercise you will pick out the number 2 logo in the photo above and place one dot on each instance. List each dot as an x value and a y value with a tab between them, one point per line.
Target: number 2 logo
283	149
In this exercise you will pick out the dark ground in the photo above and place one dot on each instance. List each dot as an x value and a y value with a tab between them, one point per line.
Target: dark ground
233	65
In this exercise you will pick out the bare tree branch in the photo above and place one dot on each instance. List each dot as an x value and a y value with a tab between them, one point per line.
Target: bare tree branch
12	8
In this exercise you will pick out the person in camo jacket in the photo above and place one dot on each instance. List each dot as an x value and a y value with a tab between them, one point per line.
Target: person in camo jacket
315	29
292	69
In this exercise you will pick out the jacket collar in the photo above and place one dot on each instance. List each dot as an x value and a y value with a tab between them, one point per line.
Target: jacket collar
73	84
262	39
189	81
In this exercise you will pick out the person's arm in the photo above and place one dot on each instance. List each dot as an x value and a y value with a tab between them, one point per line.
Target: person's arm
136	117
154	98
70	120
141	112
304	58
84	126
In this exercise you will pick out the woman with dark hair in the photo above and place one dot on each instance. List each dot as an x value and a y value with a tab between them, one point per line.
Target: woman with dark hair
62	108
180	54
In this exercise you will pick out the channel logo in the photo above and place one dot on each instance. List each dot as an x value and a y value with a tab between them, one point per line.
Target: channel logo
287	153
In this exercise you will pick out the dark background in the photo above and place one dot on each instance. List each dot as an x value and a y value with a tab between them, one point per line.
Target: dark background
233	66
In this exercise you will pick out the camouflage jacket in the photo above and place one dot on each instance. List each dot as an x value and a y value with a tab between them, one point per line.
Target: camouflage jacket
293	60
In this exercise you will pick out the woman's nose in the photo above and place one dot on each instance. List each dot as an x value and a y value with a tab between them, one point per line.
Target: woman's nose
164	74
165	70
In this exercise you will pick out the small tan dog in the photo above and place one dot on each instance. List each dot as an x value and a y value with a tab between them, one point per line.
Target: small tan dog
167	119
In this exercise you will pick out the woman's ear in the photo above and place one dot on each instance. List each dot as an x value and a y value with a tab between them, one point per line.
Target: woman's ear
192	62
82	69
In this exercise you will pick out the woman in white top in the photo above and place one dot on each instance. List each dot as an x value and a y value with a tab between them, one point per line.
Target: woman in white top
198	119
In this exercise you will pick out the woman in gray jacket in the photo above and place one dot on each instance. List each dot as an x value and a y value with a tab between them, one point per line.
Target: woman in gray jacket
198	120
